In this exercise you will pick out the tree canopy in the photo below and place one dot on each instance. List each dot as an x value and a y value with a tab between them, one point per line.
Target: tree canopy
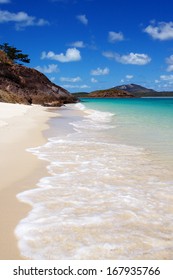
15	55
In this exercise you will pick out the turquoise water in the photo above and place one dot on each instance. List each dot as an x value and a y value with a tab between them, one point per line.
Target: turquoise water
109	193
145	122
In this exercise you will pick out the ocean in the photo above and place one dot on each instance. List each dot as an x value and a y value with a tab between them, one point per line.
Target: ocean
109	193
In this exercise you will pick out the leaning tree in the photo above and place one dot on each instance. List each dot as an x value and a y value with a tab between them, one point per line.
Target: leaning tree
15	55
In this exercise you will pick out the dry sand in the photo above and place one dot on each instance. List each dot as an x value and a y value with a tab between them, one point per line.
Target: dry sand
21	127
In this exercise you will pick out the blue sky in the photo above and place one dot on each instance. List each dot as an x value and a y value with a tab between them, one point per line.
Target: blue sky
84	45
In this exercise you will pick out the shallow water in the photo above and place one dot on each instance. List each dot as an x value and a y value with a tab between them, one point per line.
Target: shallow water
110	191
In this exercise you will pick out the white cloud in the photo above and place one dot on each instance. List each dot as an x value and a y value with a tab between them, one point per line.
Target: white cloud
168	78
93	80
76	86
71	80
165	81
83	19
161	31
128	77
170	68
84	86
78	44
72	54
99	71
169	61
51	68
115	36
166	86
52	79
4	1
21	19
131	58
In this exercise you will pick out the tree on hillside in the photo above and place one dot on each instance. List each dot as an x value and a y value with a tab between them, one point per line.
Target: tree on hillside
14	54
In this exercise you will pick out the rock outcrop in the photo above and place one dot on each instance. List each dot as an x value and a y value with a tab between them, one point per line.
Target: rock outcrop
110	93
20	84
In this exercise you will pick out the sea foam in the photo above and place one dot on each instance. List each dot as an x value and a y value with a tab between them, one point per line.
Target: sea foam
102	200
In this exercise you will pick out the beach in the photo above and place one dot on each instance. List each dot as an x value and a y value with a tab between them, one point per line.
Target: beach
21	127
108	191
95	182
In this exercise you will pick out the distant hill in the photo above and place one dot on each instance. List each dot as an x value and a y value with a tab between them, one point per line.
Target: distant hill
135	89
139	91
110	93
106	93
132	89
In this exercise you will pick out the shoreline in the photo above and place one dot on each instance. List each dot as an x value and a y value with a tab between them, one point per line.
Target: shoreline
20	170
95	185
34	245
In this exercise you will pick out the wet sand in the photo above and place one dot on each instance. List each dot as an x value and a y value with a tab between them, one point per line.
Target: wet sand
21	127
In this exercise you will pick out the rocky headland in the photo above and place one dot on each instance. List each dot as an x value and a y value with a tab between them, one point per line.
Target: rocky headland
110	93
21	84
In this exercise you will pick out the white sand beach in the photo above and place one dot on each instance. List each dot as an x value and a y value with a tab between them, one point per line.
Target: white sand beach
21	127
101	178
91	185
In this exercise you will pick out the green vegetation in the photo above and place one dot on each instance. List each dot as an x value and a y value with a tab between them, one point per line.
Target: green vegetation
15	55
